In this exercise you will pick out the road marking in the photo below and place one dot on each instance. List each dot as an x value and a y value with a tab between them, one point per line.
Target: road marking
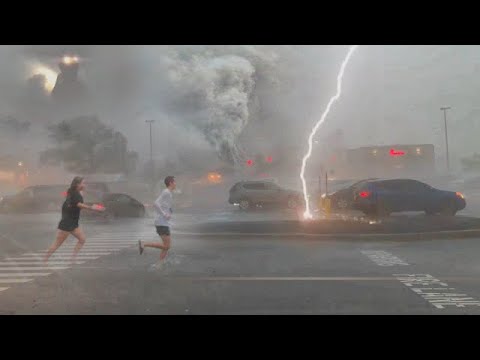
114	237
384	258
88	248
116	241
23	274
306	278
24	267
14	281
105	242
90	253
39	262
106	246
21	268
435	291
53	257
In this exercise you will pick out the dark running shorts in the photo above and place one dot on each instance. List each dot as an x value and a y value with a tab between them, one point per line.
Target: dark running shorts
163	230
67	225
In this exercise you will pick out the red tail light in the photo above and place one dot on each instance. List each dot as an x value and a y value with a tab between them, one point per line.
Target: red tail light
460	195
365	194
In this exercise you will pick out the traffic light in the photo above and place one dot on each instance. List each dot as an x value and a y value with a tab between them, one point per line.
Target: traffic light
250	162
269	159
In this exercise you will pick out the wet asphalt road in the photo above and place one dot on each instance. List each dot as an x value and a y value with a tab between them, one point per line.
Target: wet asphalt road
232	274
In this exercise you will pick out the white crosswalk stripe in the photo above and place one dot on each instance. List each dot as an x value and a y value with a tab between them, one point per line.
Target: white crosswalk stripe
14	281
54	257
97	246
22	274
63	252
35	268
24	268
33	262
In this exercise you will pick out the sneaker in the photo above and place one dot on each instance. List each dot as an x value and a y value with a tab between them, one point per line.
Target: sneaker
172	259
140	247
157	266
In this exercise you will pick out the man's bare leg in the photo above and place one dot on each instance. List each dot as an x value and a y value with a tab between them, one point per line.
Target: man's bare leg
156	245
61	237
166	242
78	233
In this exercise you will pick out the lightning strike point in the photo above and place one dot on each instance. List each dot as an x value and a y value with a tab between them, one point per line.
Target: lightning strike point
308	215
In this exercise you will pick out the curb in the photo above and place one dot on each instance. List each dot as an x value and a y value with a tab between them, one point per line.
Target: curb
458	234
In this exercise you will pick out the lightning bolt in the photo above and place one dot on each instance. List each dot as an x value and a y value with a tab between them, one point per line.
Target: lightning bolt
308	214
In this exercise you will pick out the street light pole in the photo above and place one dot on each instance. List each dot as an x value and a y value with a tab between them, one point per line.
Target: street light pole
444	109
150	122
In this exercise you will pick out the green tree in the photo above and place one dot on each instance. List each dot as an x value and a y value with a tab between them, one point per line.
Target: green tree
86	145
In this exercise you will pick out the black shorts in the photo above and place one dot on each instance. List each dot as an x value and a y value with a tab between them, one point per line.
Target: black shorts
163	230
68	225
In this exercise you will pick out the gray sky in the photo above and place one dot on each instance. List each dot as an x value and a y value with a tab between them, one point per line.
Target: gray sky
203	96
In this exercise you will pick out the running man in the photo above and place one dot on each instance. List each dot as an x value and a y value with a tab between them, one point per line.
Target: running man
163	208
70	218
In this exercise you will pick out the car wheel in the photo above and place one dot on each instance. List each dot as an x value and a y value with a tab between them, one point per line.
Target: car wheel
52	206
109	216
382	209
244	204
369	213
292	203
6	208
448	210
343	204
141	213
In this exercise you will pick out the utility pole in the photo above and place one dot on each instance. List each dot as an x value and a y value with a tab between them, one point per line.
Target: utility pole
150	122
444	109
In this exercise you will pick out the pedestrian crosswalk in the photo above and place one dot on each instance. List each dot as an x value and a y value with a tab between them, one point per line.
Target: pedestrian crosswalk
25	268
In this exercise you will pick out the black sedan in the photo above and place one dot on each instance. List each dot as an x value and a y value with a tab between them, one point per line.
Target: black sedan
116	206
342	199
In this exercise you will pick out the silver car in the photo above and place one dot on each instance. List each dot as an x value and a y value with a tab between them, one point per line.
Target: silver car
251	194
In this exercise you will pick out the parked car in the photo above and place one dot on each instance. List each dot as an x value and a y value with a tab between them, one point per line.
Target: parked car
383	197
116	206
250	194
41	198
343	198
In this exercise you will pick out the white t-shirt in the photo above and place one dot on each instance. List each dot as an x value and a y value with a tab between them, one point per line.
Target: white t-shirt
163	208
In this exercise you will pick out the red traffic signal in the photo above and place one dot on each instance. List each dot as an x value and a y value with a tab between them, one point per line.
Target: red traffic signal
269	159
249	162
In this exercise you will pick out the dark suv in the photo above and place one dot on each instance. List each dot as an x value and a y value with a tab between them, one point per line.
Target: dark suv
249	194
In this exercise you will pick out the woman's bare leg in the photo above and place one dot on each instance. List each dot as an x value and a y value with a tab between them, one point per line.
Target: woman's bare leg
78	233
61	237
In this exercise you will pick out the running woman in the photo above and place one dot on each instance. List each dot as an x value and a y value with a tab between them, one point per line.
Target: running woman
163	208
70	217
